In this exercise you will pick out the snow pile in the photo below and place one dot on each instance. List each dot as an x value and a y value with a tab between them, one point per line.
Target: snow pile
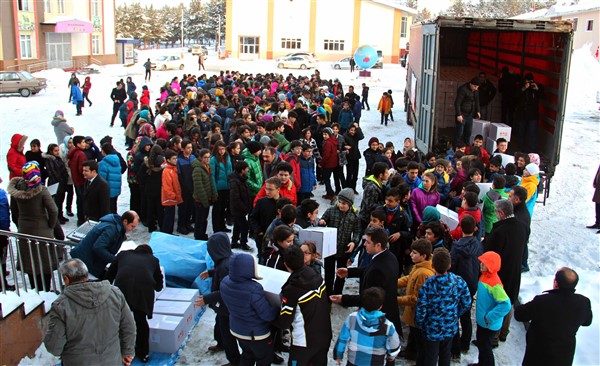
584	81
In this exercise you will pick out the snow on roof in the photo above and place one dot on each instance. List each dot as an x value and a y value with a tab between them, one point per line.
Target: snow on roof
397	5
559	10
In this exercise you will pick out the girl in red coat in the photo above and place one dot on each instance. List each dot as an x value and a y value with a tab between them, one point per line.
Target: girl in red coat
87	85
329	161
15	157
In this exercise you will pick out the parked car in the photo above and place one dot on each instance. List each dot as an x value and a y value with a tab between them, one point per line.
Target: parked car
20	82
296	62
343	64
199	49
303	54
168	62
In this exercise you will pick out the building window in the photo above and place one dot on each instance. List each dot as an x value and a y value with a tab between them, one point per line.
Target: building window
403	27
590	25
291	43
249	44
95	44
95	8
23	5
333	45
61	6
25	46
575	24
48	6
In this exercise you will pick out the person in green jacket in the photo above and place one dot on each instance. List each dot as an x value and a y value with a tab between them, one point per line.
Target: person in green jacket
255	178
496	193
205	192
276	131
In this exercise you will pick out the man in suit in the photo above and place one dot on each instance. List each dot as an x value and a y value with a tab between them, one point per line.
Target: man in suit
382	271
507	238
96	194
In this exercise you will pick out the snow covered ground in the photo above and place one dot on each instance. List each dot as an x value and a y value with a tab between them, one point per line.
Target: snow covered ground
559	237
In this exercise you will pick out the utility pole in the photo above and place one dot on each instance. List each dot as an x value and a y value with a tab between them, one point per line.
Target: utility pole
219	33
182	45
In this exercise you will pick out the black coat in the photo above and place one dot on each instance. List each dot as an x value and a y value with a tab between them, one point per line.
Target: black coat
508	238
137	275
96	199
382	271
555	318
467	101
352	141
522	214
263	213
239	195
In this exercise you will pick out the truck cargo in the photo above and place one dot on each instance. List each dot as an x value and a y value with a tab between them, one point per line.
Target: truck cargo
449	51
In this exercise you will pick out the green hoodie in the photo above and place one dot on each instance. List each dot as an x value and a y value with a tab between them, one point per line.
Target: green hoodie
489	212
255	178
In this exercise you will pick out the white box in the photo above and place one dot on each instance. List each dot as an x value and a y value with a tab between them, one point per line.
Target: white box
448	217
181	309
490	145
483	189
325	239
182	294
272	281
167	333
480	127
506	159
498	130
164	283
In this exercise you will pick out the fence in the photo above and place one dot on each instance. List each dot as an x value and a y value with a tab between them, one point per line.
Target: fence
30	262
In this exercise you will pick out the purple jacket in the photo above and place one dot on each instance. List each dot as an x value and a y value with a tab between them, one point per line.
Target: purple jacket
419	199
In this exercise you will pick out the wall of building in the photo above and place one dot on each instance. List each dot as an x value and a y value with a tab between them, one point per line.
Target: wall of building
582	35
334	21
373	33
291	19
108	26
247	20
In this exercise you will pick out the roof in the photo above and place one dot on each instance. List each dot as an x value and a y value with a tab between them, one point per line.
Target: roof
397	5
560	11
64	18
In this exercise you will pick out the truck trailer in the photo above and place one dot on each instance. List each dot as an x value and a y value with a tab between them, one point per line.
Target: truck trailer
449	51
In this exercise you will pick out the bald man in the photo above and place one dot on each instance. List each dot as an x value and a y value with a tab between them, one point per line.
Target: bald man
555	317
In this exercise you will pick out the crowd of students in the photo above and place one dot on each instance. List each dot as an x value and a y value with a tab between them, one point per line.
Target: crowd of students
250	150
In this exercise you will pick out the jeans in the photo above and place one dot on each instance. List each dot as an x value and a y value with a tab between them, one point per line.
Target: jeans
434	352
462	131
148	75
168	219
259	353
327	172
505	326
338	178
528	135
85	97
384	118
78	106
240	230
365	100
331	263
185	211
461	341
142	335
116	107
352	173
484	344
201	221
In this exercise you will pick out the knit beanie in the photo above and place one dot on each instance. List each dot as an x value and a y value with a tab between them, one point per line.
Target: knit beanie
253	147
372	140
532	169
328	131
265	140
59	113
346	195
31	174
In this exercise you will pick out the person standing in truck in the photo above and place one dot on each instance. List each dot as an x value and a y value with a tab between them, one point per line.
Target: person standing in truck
466	107
487	92
507	86
527	112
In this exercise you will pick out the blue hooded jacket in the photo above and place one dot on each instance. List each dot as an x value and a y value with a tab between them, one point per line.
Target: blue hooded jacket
110	169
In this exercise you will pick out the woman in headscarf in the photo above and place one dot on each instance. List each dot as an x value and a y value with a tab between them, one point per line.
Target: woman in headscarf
431	214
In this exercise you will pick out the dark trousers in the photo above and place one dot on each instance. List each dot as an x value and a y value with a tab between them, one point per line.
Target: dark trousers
434	352
201	221
79	106
352	173
229	341
116	107
134	197
462	338
79	203
528	135
142	335
154	212
507	112
113	204
219	211
597	213
143	212
384	118
259	353
525	259
168	219
412	340
59	198
331	263
483	110
240	230
338	178
185	211
85	97
69	192
365	100
303	356
462	131
327	172
301	196
148	75
484	344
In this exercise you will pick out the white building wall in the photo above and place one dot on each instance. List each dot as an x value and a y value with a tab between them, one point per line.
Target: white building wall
374	18
335	21
291	19
249	19
108	27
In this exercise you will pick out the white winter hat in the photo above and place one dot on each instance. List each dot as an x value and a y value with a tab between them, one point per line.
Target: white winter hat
532	169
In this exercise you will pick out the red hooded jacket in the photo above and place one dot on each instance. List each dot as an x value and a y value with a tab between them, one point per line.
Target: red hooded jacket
15	158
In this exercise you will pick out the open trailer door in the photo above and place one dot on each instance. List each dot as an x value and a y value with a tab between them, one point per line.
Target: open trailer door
426	94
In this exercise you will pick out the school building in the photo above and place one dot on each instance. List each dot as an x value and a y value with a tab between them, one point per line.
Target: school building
267	29
40	34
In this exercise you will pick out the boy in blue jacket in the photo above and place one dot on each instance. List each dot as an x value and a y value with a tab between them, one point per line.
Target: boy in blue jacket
307	173
443	298
492	306
373	339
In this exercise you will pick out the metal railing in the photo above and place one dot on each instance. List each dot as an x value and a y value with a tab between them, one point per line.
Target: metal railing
31	262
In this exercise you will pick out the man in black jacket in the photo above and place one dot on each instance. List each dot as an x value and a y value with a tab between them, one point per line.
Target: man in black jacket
118	96
382	271
518	196
96	194
507	238
555	318
305	308
466	106
487	92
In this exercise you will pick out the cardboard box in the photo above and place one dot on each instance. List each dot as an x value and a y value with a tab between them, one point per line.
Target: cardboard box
448	216
167	333
164	283
480	127
181	294
181	309
498	130
324	237
490	145
272	280
483	189
506	158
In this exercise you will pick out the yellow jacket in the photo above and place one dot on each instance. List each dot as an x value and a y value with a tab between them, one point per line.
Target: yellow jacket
530	184
413	282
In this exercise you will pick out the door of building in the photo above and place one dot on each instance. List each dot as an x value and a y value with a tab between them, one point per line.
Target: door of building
58	50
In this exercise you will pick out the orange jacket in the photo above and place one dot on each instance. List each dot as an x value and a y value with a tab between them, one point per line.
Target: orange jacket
385	105
170	194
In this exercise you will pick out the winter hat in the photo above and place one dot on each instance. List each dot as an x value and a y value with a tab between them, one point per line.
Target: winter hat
32	174
212	110
253	147
266	118
534	158
346	195
265	140
284	114
144	114
59	113
476	81
532	169
328	131
281	97
372	140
